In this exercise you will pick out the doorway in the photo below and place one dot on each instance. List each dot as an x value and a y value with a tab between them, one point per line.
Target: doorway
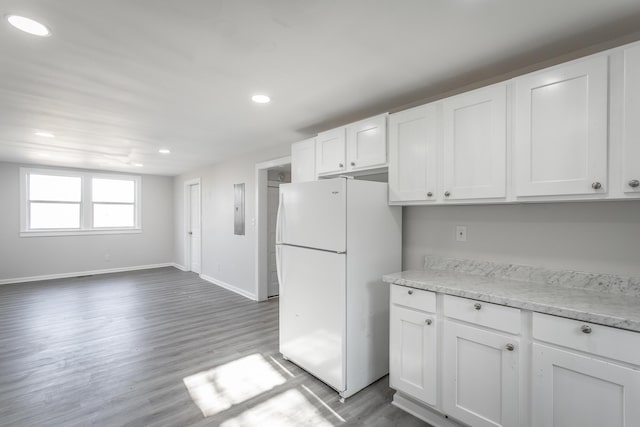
269	176
193	226
276	176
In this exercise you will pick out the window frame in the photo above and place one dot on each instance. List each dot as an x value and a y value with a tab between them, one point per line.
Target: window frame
86	203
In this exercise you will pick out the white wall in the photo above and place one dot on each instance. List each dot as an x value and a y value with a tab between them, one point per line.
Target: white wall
226	258
22	257
601	237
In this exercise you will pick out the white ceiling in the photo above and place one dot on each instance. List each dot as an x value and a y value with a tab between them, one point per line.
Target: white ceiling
119	79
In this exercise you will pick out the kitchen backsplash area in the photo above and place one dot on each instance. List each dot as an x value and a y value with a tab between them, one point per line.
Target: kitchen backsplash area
592	237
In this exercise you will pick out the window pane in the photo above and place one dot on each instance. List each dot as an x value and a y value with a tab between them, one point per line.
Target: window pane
112	215
113	190
54	215
54	188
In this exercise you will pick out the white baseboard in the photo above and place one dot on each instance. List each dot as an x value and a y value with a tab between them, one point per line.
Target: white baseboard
423	412
180	267
83	273
229	287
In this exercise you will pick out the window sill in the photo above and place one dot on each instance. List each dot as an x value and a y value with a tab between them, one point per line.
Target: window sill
53	233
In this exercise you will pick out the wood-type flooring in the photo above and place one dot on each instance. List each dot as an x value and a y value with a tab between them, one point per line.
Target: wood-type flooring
160	347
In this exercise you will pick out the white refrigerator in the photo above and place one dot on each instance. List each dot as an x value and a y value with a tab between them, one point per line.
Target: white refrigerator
335	239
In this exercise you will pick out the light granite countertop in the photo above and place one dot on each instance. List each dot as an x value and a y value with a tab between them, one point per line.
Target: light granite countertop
594	298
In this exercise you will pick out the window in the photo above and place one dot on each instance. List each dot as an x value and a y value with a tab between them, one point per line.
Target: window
59	202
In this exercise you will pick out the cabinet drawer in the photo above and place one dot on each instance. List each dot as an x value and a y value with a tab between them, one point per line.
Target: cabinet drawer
494	316
414	298
595	339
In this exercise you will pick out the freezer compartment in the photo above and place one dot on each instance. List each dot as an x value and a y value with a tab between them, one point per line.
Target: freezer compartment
314	214
313	312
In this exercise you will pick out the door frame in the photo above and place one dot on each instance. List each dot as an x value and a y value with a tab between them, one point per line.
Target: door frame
262	239
187	221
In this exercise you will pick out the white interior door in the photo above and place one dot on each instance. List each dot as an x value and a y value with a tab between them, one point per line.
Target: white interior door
194	228
313	312
273	197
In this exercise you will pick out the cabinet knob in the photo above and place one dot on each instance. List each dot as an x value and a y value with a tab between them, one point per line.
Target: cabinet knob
634	183
596	185
429	194
353	163
586	329
447	193
477	306
410	292
428	321
509	347
340	165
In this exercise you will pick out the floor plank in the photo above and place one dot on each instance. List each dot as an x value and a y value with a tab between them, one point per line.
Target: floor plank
115	350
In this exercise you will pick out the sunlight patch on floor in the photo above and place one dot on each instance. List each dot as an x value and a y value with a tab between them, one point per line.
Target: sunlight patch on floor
289	409
220	388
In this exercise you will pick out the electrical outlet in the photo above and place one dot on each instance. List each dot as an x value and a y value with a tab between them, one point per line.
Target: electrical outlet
461	233
107	257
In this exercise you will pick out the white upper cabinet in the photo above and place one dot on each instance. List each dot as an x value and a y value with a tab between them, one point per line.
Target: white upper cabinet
353	148
475	144
631	132
413	154
367	143
560	145
303	161
330	151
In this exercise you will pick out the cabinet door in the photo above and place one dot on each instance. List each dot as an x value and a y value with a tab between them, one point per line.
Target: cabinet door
574	390
631	135
412	154
561	130
367	143
412	356
480	376
330	151
475	144
303	161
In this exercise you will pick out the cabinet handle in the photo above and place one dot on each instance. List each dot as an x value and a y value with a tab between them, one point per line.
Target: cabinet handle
428	321
634	183
340	165
429	194
509	347
596	185
447	193
586	329
477	306
410	292
353	163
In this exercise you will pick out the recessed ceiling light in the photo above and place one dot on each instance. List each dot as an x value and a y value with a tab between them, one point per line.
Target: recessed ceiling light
138	165
164	151
45	134
260	99
28	25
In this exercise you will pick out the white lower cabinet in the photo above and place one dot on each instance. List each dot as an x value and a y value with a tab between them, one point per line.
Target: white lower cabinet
413	366
480	375
584	374
455	360
570	389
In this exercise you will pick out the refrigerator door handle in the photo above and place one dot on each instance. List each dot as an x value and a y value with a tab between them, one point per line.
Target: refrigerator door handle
278	220
279	267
